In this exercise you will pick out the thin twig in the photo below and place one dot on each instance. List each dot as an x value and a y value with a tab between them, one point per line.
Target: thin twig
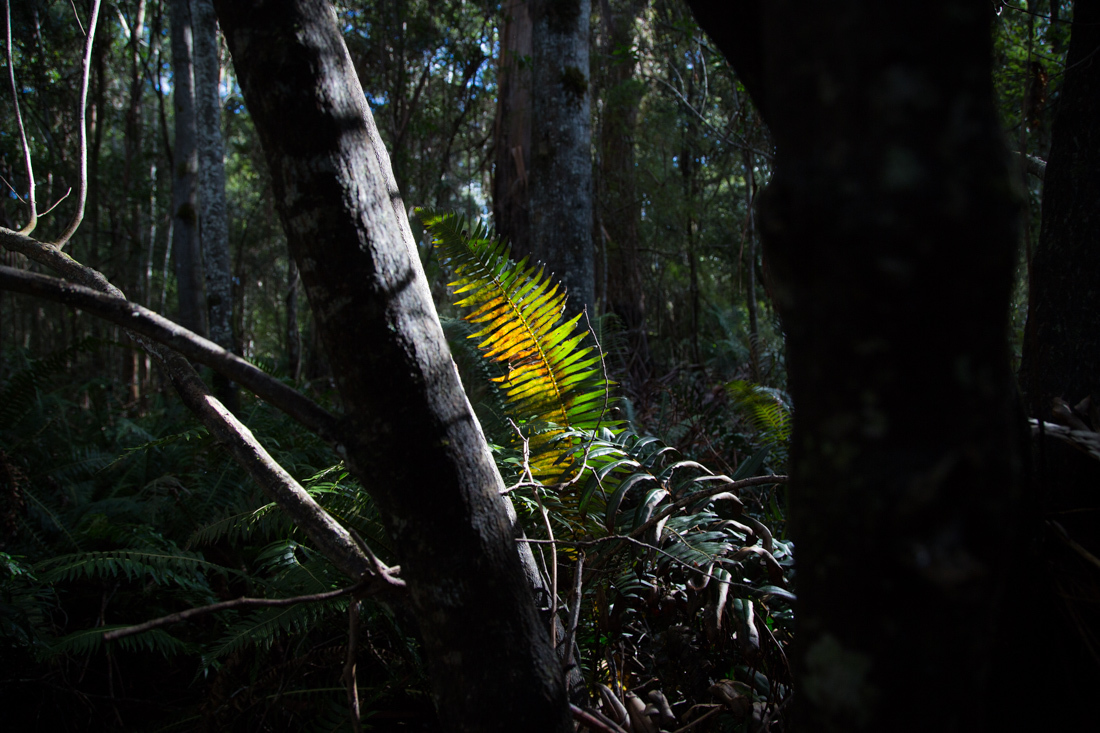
82	114
717	133
349	666
593	719
574	610
549	531
709	714
631	540
33	221
173	618
77	16
58	202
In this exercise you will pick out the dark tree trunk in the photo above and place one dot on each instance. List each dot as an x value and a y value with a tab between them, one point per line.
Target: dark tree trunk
890	230
560	179
512	129
619	207
185	202
1061	363
1062	340
410	434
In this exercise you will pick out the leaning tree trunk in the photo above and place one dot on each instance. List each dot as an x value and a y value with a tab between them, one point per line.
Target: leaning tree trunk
890	230
1061	362
560	179
410	434
185	202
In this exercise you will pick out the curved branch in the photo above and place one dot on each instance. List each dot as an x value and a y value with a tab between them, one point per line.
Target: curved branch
172	618
32	222
152	325
82	114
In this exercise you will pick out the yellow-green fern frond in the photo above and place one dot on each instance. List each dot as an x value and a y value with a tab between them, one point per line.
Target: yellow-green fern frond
553	381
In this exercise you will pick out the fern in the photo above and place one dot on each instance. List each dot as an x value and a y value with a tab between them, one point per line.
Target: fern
551	382
175	567
769	413
89	641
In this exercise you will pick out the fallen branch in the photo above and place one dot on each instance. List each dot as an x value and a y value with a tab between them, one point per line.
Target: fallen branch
333	540
150	324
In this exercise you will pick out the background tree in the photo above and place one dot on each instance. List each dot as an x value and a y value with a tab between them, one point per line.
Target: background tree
560	176
512	127
618	208
186	244
213	215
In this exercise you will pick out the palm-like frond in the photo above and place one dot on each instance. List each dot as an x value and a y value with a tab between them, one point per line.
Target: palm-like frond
552	380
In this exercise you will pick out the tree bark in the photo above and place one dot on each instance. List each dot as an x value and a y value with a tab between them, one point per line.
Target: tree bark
213	217
890	231
560	179
410	432
512	130
1062	338
1061	362
185	203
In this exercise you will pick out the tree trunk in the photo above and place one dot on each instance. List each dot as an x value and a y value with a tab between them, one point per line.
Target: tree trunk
560	179
213	217
185	203
512	130
890	230
1061	362
411	435
619	206
1062	339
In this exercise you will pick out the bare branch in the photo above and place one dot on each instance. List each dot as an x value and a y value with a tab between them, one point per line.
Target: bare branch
158	328
174	618
594	720
1034	165
349	666
333	540
574	610
82	114
33	220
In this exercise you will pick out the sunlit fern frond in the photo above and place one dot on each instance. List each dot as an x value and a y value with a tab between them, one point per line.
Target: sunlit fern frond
553	381
769	412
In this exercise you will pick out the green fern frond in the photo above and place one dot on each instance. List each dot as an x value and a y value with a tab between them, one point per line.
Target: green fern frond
176	567
552	381
769	413
89	641
261	628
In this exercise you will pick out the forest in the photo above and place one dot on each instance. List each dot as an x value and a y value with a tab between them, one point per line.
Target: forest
628	366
